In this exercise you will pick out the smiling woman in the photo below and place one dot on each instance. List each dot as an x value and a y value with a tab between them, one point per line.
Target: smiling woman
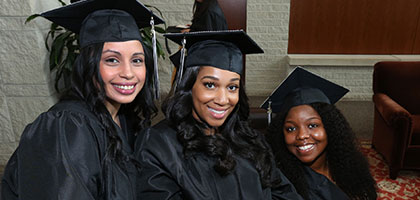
81	148
215	94
123	72
205	149
313	143
305	137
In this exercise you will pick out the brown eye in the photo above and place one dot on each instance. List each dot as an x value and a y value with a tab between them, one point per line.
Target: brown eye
290	129
233	87
111	60
209	85
313	125
138	61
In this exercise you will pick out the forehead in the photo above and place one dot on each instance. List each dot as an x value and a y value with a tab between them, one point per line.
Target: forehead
217	73
124	44
302	111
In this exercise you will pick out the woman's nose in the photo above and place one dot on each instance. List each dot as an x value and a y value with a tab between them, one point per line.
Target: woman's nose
126	71
221	97
302	134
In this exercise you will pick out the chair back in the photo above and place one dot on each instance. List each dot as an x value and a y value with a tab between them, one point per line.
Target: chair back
400	80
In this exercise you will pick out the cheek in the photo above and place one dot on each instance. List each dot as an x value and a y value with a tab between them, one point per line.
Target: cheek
105	74
234	99
289	139
320	135
200	95
141	73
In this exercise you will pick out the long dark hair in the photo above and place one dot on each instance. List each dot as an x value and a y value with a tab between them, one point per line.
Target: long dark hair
199	8
233	137
88	86
348	167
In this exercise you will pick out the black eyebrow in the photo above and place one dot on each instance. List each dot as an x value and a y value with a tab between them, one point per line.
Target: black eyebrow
138	53
210	77
112	51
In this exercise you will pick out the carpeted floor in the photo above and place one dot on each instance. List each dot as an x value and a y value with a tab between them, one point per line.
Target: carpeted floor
406	186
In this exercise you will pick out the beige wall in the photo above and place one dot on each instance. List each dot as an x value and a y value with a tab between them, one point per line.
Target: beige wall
25	89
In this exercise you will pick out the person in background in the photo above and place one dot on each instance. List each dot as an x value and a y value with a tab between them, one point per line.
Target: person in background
81	148
313	143
208	16
205	149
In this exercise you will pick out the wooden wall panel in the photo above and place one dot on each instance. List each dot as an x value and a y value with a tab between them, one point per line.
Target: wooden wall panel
416	45
353	26
235	13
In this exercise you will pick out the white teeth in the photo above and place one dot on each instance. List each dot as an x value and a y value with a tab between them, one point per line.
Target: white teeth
305	147
125	87
216	111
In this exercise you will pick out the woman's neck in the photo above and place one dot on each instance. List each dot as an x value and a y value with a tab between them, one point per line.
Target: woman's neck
113	109
320	165
209	131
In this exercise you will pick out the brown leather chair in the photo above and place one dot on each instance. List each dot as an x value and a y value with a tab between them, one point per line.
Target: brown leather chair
396	134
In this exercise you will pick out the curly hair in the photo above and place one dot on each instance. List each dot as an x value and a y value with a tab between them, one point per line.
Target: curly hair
348	167
88	86
234	137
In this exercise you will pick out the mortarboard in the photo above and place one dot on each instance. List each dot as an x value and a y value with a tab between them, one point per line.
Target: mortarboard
303	87
107	21
221	49
72	17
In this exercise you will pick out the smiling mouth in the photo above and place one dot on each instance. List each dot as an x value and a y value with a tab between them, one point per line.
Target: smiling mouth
218	114
305	148
124	87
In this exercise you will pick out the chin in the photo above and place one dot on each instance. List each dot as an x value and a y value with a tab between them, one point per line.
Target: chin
216	124
124	100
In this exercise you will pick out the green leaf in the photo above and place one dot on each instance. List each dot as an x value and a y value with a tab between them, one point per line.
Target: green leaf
30	18
46	40
62	2
160	51
157	9
160	29
58	47
58	76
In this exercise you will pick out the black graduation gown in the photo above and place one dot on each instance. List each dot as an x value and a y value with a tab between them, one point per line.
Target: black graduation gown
166	174
59	157
212	20
320	187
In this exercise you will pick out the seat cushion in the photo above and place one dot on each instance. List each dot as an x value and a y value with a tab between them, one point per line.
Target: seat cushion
415	137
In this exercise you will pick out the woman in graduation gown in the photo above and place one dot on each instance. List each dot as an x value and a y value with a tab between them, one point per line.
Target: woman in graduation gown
81	148
313	143
205	149
208	16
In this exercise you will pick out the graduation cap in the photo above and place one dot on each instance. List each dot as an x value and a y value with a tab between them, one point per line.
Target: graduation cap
302	87
114	18
220	49
107	21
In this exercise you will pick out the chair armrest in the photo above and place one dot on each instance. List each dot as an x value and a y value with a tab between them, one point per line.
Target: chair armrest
390	110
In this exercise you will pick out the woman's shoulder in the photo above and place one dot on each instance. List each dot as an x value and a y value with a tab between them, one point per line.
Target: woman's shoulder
161	134
159	141
69	118
162	130
71	106
321	187
72	109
